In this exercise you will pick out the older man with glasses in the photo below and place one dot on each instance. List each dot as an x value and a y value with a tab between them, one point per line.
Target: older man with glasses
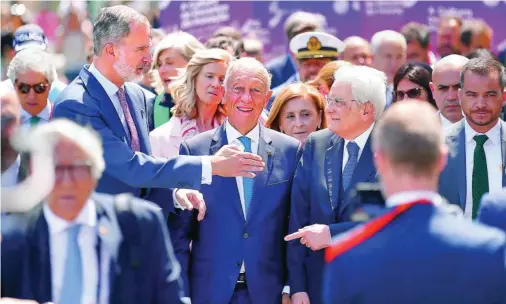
333	162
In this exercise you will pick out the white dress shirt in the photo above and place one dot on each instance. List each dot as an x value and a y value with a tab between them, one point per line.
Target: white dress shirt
406	197
111	90
361	140
444	121
44	116
87	241
494	162
10	176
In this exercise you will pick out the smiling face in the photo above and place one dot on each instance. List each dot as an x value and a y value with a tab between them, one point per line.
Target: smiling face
482	100
209	82
299	117
246	95
169	61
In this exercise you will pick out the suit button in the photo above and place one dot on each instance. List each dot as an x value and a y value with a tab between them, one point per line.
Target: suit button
245	235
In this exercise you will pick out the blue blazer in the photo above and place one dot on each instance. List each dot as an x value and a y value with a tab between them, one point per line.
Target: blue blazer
426	255
275	92
281	68
452	181
136	275
85	101
224	239
492	210
318	198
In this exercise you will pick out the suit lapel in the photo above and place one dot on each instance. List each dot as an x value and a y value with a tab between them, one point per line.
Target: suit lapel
333	165
503	152
457	145
266	151
110	115
230	183
135	101
365	167
39	260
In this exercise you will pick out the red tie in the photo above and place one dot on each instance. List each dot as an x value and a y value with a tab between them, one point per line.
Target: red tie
364	232
134	136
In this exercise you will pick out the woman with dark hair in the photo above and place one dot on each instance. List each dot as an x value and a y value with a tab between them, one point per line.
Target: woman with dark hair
412	82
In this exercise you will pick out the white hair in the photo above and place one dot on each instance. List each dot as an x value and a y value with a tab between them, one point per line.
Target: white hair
248	64
32	59
50	133
367	85
387	36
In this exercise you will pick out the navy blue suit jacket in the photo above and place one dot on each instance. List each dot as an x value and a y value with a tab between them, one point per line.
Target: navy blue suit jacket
452	181
150	274
492	210
425	255
318	198
85	101
281	68
224	238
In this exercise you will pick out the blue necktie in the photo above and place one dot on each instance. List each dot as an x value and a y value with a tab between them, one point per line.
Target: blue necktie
352	148
72	287
247	183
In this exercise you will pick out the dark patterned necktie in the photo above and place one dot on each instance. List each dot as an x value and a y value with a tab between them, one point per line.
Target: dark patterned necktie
353	149
134	136
480	172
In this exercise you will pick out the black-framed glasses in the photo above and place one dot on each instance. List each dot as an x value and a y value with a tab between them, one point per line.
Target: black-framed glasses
76	172
25	88
411	93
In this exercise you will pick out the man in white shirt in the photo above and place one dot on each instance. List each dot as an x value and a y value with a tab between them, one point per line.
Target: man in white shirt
432	255
80	247
237	253
478	142
445	86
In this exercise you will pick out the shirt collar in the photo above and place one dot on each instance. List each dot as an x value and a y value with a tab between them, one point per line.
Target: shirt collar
494	134
406	197
87	217
444	121
233	134
109	87
361	140
45	114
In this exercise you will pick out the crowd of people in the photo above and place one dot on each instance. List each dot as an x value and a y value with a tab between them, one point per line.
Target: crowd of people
191	172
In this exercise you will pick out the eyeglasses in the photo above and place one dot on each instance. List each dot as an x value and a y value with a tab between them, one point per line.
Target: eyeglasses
411	93
335	101
39	88
76	172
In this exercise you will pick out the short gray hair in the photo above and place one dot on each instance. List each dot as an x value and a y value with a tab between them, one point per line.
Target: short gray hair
85	138
484	67
32	59
367	85
387	36
112	24
248	64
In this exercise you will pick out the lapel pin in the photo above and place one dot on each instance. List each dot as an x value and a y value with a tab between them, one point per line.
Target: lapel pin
102	230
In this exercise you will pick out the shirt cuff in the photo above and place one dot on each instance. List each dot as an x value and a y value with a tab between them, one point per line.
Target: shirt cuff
286	289
174	199
207	170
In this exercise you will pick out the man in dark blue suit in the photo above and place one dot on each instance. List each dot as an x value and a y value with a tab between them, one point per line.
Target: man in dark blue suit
493	210
83	247
418	251
333	162
284	67
477	142
104	98
238	252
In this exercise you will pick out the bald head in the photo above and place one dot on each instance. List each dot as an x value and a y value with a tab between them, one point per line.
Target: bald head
445	85
410	139
357	51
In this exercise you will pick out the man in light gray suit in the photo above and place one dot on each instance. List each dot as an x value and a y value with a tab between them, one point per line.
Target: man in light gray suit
478	142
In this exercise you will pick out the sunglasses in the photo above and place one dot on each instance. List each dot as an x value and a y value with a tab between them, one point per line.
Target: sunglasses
38	88
76	172
411	93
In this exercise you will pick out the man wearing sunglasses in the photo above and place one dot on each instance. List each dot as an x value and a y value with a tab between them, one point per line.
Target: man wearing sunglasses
32	73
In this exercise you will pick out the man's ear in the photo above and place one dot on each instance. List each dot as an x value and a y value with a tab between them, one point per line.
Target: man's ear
267	97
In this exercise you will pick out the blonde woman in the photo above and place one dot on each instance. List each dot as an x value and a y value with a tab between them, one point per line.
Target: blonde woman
297	111
197	93
171	55
325	77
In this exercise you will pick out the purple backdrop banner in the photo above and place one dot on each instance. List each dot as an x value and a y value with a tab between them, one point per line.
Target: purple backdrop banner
265	20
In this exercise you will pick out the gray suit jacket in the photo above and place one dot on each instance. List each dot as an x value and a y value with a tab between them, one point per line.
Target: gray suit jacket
452	182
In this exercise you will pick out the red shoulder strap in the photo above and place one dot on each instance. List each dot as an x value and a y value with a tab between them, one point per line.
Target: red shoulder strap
364	232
